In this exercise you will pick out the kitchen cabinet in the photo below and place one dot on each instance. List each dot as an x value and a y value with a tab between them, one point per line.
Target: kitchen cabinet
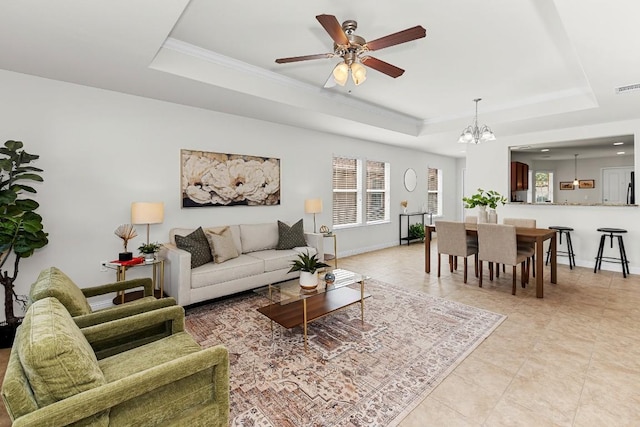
519	176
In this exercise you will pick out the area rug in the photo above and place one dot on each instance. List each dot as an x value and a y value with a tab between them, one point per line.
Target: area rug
354	374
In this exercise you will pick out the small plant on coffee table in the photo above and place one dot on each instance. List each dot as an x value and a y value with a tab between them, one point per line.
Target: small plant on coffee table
307	263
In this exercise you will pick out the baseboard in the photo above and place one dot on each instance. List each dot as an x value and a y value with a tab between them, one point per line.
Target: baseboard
359	251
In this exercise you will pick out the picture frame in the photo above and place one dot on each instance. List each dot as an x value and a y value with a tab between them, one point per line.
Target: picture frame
587	183
566	185
210	179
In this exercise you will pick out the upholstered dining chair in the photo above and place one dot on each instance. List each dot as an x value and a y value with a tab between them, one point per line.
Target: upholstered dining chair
498	243
452	241
526	223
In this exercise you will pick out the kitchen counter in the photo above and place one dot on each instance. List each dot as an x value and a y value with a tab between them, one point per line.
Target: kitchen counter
609	205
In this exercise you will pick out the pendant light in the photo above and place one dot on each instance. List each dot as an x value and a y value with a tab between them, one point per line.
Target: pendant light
575	170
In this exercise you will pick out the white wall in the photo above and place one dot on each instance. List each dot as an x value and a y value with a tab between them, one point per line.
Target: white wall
102	150
494	157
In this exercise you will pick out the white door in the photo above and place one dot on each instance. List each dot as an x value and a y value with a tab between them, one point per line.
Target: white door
615	182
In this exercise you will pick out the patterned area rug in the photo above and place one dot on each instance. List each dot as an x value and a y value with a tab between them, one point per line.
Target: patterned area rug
354	374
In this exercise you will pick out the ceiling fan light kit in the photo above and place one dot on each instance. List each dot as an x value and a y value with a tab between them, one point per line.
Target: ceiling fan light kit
351	48
473	133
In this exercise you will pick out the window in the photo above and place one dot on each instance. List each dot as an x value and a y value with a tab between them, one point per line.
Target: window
350	205
377	183
544	186
434	191
346	191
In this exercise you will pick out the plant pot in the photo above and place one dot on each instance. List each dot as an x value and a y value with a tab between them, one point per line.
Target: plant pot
125	256
149	258
8	333
482	214
492	216
308	280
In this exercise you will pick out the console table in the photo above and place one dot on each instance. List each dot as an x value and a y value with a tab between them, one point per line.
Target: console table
408	216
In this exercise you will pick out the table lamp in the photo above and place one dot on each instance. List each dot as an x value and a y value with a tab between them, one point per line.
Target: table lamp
147	213
313	206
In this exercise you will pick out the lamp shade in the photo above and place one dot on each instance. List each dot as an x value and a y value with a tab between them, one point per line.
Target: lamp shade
147	212
358	73
313	206
341	73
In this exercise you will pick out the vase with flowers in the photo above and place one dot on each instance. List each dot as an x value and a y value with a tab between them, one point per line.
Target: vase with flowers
483	199
404	205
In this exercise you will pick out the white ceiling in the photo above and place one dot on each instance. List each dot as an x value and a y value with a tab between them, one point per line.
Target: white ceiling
537	64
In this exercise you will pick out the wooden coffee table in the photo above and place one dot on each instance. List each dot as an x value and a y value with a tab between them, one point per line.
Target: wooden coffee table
292	306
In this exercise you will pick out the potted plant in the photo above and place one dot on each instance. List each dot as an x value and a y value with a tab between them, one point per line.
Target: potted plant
149	250
307	266
21	229
416	231
482	199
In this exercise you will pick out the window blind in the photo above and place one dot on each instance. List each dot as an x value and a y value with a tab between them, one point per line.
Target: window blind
345	191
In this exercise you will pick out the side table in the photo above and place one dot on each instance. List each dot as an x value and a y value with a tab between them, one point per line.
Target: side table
334	255
157	276
408	216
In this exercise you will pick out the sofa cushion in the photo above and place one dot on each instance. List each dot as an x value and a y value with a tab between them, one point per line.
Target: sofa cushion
222	243
290	237
197	245
237	268
54	283
56	357
276	259
257	237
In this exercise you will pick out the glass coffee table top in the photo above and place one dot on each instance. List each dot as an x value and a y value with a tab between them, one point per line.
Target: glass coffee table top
290	291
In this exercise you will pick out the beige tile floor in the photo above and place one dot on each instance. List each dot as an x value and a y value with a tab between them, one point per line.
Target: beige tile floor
570	359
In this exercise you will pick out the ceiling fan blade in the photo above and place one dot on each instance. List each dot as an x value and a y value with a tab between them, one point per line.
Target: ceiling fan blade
383	67
304	58
333	27
404	36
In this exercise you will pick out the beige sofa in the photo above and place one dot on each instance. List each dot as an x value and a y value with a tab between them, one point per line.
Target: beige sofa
258	264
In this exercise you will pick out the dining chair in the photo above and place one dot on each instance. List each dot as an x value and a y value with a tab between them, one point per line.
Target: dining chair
452	241
498	243
527	223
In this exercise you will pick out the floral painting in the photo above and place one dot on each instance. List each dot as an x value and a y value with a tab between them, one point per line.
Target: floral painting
217	179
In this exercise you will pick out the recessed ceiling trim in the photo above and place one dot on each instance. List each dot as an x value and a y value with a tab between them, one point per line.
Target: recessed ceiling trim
243	67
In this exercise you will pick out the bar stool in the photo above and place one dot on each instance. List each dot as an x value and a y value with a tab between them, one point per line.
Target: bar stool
569	252
612	232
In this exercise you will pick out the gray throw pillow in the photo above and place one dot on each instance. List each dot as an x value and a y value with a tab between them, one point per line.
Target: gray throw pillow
290	237
197	245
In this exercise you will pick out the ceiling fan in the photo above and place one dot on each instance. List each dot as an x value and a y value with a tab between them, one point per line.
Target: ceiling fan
354	49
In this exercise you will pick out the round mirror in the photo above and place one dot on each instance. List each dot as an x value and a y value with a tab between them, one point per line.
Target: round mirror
410	179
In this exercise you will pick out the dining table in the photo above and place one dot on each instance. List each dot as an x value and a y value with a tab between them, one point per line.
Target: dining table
523	234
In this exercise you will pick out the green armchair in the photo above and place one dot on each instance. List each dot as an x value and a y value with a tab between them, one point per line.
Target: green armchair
52	282
54	377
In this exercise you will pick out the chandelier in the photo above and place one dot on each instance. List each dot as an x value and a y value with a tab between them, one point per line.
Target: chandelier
474	134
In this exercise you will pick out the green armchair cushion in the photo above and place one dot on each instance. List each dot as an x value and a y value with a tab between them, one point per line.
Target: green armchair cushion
57	358
54	283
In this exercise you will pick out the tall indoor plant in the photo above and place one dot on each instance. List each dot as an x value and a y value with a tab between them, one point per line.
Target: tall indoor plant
21	229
